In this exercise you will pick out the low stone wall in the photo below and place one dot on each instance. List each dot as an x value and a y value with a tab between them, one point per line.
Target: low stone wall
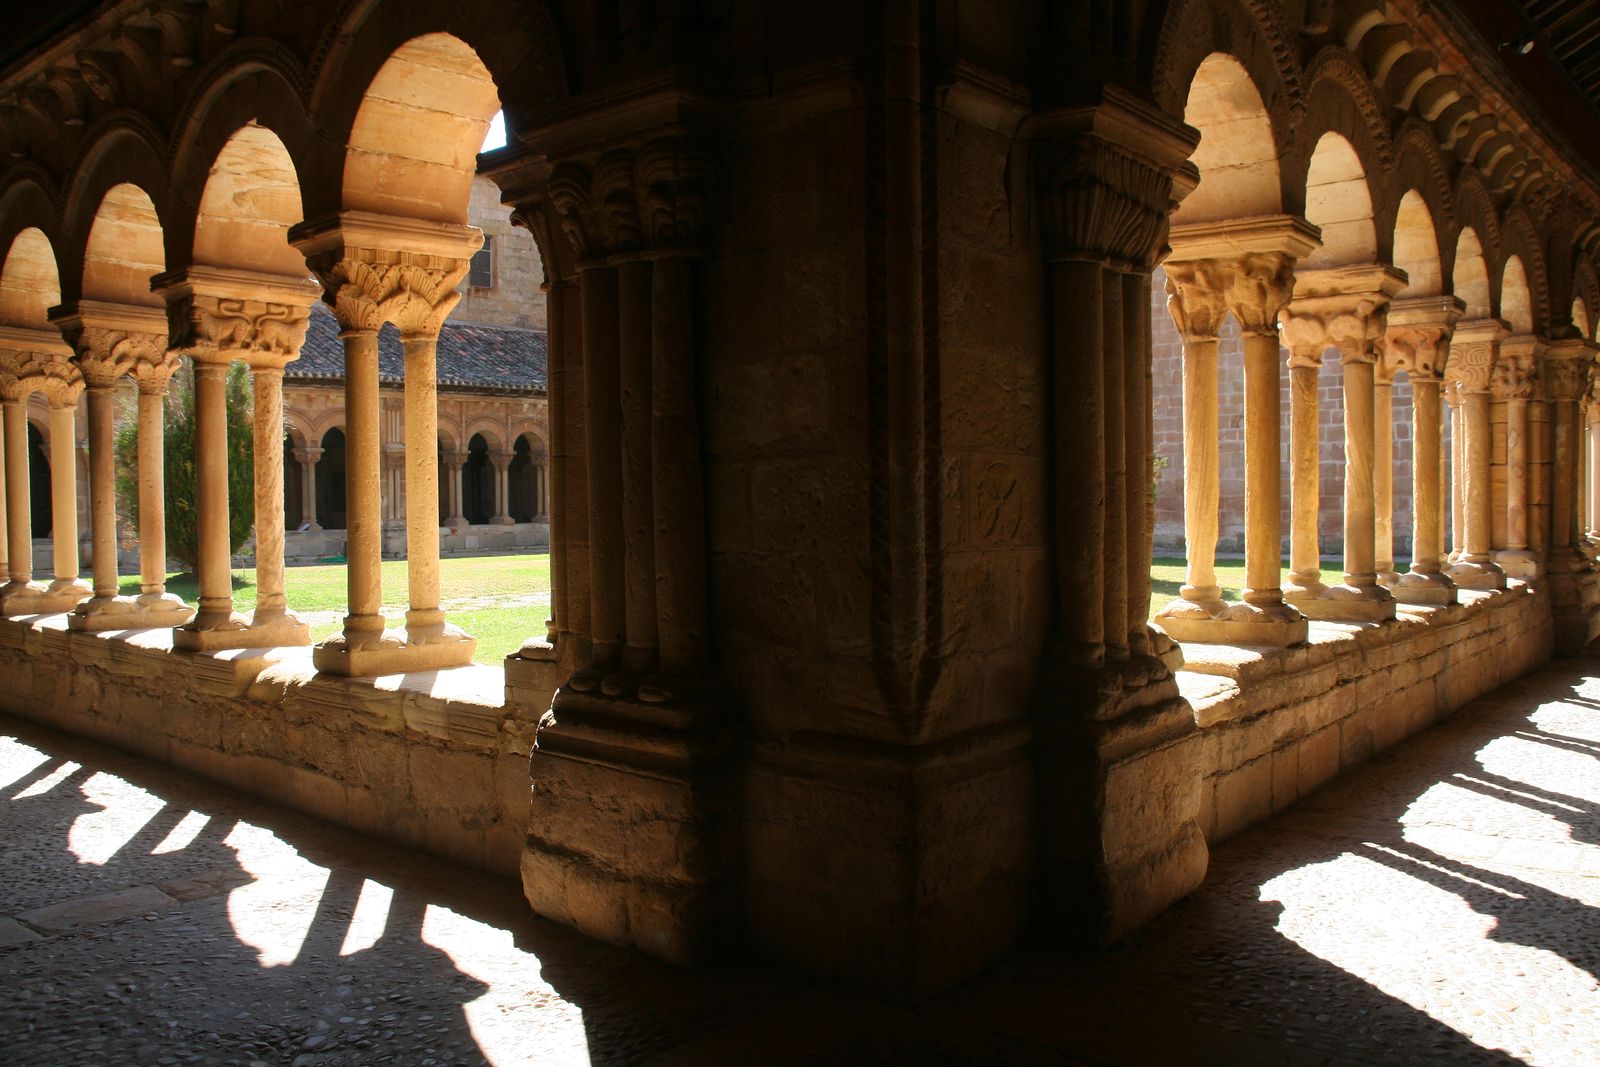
1279	723
432	760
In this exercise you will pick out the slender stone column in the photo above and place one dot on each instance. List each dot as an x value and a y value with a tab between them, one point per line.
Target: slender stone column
1196	298
1305	478
1565	370
218	317
1590	473
1383	470
1417	337
1345	308
635	308
425	619
374	269
39	361
161	608
1472	359
501	459
1514	381
307	458
1457	460
5	521
455	464
19	518
112	341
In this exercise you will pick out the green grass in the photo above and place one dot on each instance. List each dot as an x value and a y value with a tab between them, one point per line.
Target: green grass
1166	577
500	630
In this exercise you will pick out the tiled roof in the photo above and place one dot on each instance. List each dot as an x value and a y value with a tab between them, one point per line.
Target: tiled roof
470	354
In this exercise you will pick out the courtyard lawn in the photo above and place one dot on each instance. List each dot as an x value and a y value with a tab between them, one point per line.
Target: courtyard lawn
501	600
1166	577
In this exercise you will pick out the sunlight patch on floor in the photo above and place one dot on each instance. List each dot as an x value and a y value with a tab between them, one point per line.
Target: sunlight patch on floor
49	781
121	811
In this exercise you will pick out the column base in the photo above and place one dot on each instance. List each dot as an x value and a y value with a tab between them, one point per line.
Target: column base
1346	603
502	520
274	631
390	652
1518	563
1275	625
36	598
1477	574
1389	577
1427	589
1190	620
129	613
633	836
456	522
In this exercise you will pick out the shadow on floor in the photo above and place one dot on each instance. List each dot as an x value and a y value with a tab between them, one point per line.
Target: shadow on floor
1213	981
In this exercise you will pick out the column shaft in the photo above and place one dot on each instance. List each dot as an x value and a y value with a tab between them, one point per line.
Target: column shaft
64	491
1594	479
558	305
602	386
211	496
308	502
1114	459
1383	479
102	489
1263	480
1359	565
1517	474
422	484
267	383
152	493
1137	389
1458	479
19	513
1478	496
363	498
1427	528
1564	502
1201	489
1305	556
638	509
1079	398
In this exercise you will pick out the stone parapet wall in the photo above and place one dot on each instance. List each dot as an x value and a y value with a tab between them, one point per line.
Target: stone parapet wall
434	760
1278	724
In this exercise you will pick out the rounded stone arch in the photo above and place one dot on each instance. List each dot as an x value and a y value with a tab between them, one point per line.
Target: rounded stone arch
253	83
317	429
120	150
1586	291
1238	153
29	200
1340	103
1338	199
449	435
1420	169
1417	248
517	44
538	435
1520	238
294	426
124	249
1469	275
1192	30
1516	303
1475	209
250	199
486	427
30	279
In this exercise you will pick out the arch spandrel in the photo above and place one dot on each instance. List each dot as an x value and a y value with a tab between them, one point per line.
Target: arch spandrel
1475	209
1421	169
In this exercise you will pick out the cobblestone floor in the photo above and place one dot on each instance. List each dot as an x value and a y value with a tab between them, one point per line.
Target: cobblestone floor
1437	905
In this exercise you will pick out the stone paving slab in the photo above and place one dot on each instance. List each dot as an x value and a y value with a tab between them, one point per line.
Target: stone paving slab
1437	905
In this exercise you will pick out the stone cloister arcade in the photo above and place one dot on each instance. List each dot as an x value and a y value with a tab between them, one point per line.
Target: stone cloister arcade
850	409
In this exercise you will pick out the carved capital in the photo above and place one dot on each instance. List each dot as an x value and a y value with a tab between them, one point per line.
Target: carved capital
1104	178
1261	286
217	316
675	176
1419	350
1565	368
1473	350
376	269
109	340
1197	295
38	361
1516	370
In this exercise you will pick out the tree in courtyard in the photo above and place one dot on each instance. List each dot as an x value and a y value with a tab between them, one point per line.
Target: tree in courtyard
182	484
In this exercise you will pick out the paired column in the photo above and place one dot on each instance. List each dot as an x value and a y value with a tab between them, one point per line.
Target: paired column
1344	308
501	461
376	269
1589	540
1514	383
1383	468
307	459
454	465
218	317
1254	286
1565	370
38	361
1416	340
1473	352
113	341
